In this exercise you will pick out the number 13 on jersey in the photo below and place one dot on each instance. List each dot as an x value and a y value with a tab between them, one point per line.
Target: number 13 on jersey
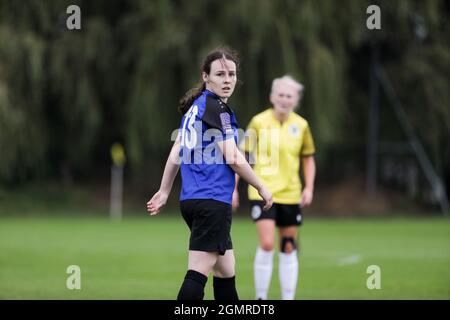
188	132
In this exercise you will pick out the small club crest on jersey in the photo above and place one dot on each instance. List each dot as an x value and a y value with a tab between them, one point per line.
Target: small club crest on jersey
226	122
294	130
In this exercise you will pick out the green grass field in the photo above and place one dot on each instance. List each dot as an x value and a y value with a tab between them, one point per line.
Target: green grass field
146	258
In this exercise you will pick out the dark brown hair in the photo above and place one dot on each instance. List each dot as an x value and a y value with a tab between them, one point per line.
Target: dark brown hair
195	92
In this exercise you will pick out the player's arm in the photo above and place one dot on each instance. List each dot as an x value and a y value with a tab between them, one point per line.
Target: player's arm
235	202
236	160
309	174
170	172
247	146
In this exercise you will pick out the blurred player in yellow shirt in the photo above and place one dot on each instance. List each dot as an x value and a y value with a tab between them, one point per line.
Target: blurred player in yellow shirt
276	141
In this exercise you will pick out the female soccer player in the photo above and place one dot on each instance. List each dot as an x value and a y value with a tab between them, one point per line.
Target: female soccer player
209	158
276	139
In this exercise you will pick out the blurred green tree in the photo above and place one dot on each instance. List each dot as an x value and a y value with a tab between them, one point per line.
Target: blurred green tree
66	96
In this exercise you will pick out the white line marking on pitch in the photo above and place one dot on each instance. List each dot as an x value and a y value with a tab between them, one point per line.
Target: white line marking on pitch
349	260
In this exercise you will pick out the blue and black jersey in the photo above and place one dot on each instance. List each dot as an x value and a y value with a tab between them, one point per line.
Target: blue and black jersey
204	172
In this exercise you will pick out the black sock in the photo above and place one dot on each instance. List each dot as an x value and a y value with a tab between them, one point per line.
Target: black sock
225	289
193	287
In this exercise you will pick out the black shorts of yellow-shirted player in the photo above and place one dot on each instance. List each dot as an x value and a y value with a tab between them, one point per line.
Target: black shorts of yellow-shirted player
278	140
207	187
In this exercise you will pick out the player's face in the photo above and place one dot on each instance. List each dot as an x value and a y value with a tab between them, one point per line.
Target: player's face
222	78
284	98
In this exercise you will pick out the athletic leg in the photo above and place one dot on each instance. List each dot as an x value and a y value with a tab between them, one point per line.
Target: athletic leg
200	265
263	263
224	277
288	262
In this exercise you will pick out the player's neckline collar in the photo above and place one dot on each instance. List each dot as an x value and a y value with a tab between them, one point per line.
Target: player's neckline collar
212	94
272	111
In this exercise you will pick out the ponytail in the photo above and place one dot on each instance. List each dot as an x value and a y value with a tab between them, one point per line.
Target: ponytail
190	96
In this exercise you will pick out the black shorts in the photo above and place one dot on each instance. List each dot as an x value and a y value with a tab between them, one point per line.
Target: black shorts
210	224
285	215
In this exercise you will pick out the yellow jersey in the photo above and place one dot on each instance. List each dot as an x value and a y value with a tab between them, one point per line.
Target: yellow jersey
275	150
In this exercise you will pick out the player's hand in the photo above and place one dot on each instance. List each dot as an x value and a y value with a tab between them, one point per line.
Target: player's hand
267	198
157	202
235	201
307	197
